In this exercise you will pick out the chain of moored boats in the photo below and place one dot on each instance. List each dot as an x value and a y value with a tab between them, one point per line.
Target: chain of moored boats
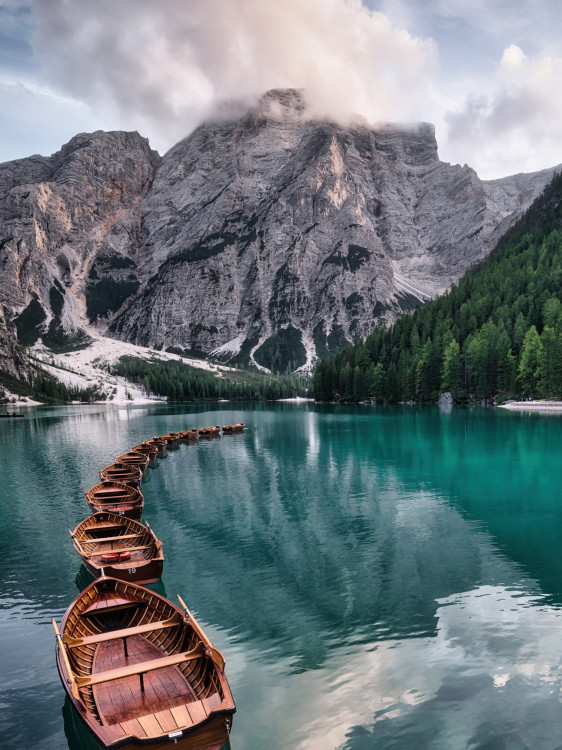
138	669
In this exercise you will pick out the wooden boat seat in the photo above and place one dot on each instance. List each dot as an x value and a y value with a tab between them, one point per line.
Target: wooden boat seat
140	669
107	605
107	525
110	538
123	633
128	549
111	493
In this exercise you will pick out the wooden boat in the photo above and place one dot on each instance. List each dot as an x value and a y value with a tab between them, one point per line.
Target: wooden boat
230	428
209	431
121	499
146	450
188	434
157	442
172	439
133	459
122	473
141	672
119	547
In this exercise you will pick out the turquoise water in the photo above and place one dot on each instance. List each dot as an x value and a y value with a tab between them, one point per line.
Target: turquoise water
376	577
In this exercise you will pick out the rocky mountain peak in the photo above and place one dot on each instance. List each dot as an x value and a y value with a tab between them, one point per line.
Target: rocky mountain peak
272	237
283	104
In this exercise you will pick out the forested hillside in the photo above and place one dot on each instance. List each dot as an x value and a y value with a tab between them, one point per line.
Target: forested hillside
495	335
180	382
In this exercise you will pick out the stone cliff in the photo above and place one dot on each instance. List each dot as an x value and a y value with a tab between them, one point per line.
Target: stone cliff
271	237
54	215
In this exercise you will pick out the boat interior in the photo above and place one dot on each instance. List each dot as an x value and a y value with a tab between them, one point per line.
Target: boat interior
102	536
137	662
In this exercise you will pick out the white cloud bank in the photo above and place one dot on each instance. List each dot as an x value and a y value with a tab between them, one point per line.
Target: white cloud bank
161	67
515	123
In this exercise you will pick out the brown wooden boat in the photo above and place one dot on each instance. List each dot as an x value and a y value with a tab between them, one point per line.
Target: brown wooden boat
157	442
122	473
141	672
209	431
133	459
121	499
119	547
171	438
146	450
188	434
230	428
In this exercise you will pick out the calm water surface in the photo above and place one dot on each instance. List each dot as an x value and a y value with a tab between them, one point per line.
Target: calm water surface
376	577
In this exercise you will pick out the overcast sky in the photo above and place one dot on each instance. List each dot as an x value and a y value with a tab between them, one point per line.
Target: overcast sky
486	72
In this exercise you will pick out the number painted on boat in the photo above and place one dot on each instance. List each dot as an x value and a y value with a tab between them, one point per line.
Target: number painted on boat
132	570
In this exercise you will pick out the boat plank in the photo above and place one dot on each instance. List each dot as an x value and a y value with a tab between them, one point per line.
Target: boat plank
182	716
150	725
122	699
117	602
197	711
211	703
133	727
166	720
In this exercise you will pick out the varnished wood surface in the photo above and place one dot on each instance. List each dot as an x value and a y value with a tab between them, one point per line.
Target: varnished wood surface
122	700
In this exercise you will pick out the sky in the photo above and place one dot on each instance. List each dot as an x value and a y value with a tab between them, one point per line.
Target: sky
487	73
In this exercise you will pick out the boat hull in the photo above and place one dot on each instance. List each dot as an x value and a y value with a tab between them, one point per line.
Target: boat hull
126	716
141	574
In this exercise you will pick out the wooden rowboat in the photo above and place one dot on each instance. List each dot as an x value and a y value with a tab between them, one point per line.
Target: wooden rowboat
141	672
133	459
158	443
188	434
229	428
121	499
146	450
209	431
119	547
123	473
171	437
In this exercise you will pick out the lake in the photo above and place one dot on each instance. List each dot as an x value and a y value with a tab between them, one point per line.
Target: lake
376	577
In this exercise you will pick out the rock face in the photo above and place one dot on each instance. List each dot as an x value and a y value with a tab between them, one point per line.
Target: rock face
271	237
54	215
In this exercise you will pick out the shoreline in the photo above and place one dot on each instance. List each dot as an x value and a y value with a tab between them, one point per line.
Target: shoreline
555	407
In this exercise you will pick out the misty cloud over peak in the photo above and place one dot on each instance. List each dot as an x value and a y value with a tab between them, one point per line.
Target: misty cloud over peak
164	68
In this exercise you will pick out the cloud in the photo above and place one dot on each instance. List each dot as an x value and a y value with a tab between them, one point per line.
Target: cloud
162	67
514	124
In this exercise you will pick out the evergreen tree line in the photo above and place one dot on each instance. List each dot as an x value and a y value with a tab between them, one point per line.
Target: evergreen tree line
52	391
180	382
496	335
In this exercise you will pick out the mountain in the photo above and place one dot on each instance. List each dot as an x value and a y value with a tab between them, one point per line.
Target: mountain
496	335
271	238
55	213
